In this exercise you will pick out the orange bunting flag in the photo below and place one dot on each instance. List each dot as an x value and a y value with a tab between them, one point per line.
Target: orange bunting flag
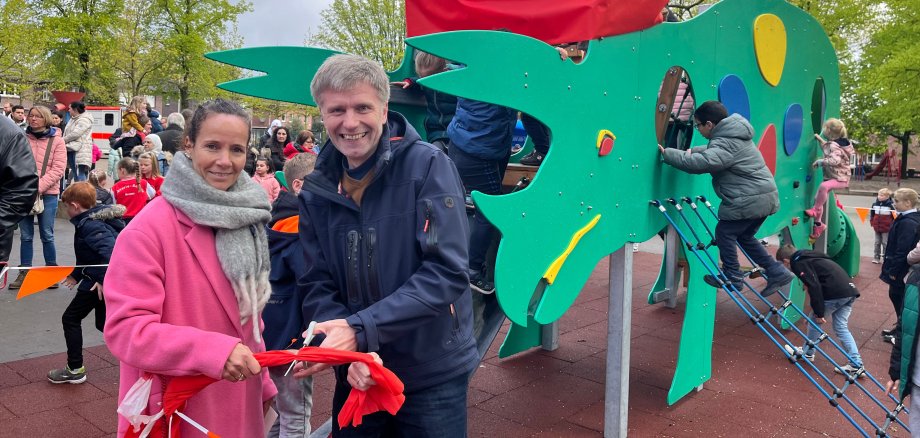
894	214
863	213
40	278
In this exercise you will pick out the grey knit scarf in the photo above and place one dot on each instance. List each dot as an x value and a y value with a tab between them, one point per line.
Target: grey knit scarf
239	215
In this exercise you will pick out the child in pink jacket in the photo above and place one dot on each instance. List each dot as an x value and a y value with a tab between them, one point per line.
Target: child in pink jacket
836	164
265	177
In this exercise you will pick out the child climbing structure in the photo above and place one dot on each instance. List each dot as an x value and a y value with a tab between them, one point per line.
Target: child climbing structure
602	185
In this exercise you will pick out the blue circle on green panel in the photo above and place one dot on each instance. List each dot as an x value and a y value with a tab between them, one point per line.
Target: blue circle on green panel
734	96
792	128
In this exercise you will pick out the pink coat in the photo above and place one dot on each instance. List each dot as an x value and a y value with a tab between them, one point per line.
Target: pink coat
837	161
57	161
270	184
171	311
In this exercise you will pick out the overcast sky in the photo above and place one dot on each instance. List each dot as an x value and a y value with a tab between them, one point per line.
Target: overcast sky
280	22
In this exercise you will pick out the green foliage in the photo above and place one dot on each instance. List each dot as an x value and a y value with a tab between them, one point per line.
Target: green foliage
20	46
140	58
375	29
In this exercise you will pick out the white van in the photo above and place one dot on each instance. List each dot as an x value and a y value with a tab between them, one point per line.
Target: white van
106	119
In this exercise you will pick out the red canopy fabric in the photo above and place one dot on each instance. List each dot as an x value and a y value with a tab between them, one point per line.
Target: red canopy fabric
551	21
386	395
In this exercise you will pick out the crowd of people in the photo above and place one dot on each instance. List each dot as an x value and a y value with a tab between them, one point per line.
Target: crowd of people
199	254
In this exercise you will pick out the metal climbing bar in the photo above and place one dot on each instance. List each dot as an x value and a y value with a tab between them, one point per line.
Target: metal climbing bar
822	334
762	322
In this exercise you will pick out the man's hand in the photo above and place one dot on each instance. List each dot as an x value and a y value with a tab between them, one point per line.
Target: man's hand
892	386
359	374
820	320
339	335
69	282
98	288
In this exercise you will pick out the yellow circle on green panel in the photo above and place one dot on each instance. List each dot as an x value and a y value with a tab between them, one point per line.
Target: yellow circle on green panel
770	47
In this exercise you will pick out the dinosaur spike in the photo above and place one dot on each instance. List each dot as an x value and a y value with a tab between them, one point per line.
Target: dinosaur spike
287	71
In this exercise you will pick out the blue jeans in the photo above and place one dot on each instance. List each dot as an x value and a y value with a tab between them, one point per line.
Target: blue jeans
839	310
294	404
729	234
485	176
45	230
435	412
538	132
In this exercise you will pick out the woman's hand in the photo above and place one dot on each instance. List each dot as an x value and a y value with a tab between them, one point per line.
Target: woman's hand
69	282
359	374
240	365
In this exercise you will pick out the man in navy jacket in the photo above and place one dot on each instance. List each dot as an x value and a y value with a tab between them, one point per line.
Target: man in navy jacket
384	231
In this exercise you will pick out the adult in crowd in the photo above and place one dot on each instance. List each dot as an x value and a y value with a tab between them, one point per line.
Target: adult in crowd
279	141
59	119
50	156
7	109
18	116
269	133
380	192
18	182
156	124
171	137
189	278
305	143
78	136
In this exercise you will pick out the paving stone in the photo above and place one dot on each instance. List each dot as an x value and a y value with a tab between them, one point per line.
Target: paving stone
481	423
57	423
9	377
44	396
101	413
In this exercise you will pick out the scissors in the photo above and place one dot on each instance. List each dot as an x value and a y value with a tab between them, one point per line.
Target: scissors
307	338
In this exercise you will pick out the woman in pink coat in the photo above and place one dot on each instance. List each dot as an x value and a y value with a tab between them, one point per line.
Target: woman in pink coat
42	136
189	278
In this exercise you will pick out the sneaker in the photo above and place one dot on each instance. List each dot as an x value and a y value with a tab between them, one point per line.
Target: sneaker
888	332
875	260
851	370
66	375
798	352
890	339
712	281
479	284
776	283
17	283
635	247
817	230
534	158
811	212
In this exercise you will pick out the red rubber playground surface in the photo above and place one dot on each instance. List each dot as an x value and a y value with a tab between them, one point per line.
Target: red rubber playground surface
754	390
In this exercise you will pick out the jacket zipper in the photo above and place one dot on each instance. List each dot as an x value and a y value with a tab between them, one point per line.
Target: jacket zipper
430	229
373	282
453	316
352	278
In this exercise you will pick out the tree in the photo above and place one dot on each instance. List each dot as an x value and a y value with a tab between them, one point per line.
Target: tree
890	75
81	44
375	29
140	53
21	48
192	28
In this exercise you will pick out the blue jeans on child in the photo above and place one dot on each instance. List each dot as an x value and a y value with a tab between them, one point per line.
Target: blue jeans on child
839	310
45	231
729	234
484	176
294	404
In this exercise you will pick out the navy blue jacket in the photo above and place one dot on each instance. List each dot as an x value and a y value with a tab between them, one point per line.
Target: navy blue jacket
481	129
282	315
396	267
93	241
903	237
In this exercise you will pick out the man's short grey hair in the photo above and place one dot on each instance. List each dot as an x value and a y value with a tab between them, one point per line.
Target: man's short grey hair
176	119
344	72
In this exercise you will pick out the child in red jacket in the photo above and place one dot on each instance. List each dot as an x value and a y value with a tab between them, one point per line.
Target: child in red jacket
130	190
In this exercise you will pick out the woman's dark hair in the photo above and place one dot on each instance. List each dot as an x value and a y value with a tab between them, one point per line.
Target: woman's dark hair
710	111
216	106
304	135
79	106
61	115
268	163
275	136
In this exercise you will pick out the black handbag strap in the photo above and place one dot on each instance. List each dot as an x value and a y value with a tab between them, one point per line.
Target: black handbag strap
47	154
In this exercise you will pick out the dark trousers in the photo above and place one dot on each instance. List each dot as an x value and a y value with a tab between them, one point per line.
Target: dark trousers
484	176
729	234
896	294
84	302
435	412
538	133
6	243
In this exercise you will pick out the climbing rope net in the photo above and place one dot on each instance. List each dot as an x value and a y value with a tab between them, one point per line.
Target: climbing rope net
841	396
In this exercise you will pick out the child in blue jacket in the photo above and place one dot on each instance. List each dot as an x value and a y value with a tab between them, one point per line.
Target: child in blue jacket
283	314
93	241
